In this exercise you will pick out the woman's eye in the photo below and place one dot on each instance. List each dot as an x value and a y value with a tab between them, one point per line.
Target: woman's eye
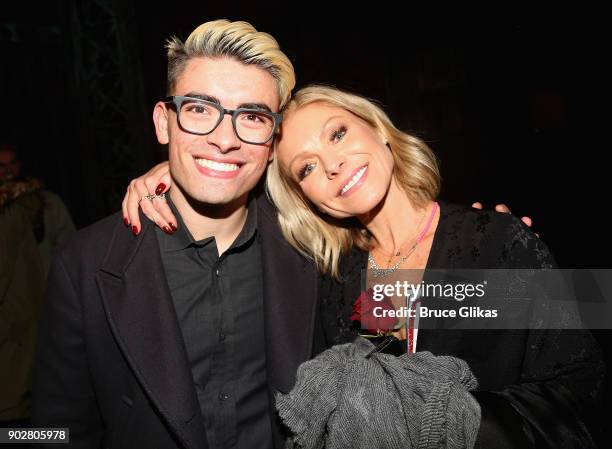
306	170
338	134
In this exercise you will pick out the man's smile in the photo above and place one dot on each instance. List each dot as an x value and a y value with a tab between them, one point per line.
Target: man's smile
218	168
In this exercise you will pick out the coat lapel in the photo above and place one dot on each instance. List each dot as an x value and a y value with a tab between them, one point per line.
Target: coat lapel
290	285
141	314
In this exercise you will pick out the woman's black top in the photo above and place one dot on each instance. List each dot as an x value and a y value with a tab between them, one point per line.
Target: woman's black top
537	388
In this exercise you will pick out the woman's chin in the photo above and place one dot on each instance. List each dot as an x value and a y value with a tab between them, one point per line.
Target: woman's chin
357	211
363	203
367	203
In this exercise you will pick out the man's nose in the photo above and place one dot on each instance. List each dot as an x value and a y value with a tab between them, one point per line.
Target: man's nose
223	136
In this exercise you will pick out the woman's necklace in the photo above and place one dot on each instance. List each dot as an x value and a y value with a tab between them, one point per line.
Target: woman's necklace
399	250
378	272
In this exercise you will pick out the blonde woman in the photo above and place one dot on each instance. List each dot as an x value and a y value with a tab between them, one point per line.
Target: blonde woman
352	192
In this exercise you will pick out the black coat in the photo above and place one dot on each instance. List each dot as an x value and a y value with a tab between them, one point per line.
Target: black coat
112	365
539	388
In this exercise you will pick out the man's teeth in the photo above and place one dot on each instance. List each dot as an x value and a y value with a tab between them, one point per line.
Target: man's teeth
353	180
219	166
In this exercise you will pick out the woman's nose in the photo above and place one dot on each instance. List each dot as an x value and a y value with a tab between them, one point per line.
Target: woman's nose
334	167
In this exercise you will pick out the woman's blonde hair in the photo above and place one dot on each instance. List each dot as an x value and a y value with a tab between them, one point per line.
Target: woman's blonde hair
325	239
239	40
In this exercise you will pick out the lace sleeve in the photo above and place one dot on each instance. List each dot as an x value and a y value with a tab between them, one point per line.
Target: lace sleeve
562	377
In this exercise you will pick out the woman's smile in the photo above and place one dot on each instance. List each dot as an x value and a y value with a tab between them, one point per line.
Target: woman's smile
355	181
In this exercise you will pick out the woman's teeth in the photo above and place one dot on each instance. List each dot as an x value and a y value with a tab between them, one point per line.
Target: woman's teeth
219	166
353	180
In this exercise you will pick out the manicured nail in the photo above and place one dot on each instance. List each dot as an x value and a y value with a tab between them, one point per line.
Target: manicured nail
167	230
160	188
126	221
173	226
135	230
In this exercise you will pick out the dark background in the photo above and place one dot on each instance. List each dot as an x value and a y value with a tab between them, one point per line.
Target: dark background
514	104
513	107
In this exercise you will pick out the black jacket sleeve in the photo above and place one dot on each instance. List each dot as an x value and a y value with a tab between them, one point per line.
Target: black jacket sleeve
63	395
561	384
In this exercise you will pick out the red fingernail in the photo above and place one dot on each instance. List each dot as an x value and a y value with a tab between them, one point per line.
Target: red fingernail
135	230
173	226
160	188
126	221
167	230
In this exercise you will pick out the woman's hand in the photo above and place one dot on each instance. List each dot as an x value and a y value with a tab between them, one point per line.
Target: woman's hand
155	182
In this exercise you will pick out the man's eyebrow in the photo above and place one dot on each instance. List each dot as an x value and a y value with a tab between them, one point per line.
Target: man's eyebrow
201	96
204	97
261	106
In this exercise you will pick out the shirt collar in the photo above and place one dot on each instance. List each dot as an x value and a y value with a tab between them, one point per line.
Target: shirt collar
182	238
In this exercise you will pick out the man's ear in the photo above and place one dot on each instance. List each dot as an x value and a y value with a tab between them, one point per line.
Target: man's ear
160	120
271	154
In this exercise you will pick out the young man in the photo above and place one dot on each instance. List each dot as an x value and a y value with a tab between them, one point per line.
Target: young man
181	339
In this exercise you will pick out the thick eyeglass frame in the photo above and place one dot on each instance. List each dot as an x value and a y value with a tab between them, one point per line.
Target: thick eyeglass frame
178	100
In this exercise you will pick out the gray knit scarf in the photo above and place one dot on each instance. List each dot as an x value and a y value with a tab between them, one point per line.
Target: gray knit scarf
342	399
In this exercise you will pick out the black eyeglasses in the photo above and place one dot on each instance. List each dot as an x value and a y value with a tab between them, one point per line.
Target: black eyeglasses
201	117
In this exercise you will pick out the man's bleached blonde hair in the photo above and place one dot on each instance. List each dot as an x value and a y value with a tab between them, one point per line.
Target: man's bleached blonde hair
321	237
238	40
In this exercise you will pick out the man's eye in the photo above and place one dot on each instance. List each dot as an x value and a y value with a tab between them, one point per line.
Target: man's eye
306	170
338	134
254	117
197	109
